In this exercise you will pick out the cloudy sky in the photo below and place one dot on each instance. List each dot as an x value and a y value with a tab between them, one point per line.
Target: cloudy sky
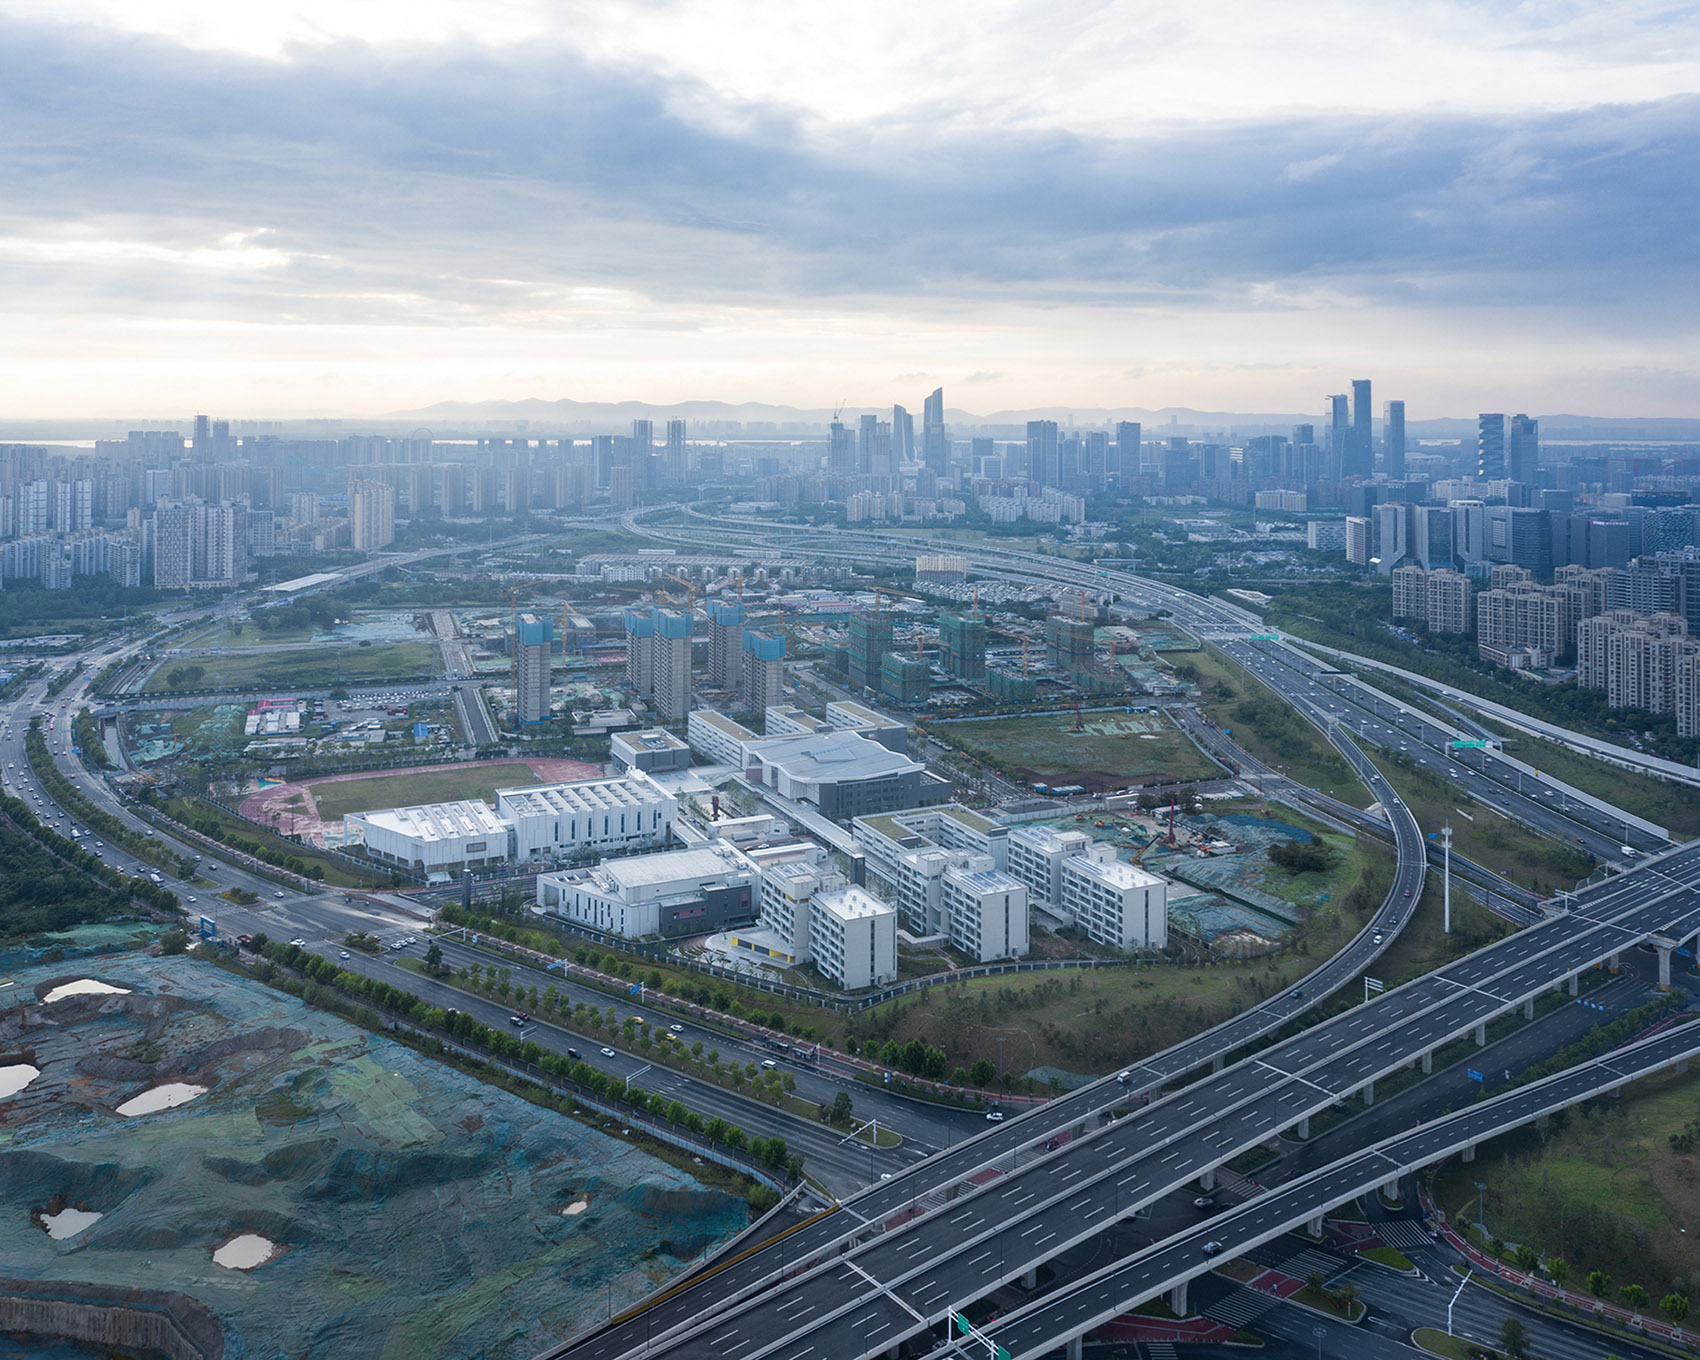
356	207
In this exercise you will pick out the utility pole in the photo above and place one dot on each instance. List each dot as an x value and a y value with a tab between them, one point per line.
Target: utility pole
1446	874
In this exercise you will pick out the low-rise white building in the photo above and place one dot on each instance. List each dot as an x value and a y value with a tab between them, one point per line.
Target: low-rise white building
848	934
1082	881
671	893
630	811
435	836
1115	902
943	867
854	939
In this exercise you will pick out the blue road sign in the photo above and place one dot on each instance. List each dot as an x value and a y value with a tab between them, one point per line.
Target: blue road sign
1473	1074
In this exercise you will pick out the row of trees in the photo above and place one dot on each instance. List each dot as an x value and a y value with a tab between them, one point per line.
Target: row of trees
770	1152
215	830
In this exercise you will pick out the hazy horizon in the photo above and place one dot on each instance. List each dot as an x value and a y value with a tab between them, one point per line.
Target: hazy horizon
311	208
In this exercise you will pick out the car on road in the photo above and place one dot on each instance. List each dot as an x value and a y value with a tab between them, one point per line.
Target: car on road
343	955
607	1052
1378	939
1407	892
769	1062
677	1029
574	1054
1204	1202
299	943
275	894
995	1116
194	899
516	1019
1212	1248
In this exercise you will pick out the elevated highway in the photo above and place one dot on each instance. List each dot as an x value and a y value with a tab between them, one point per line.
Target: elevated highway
1063	1317
1045	1198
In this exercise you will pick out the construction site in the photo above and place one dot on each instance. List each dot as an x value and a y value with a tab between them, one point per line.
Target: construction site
167	1121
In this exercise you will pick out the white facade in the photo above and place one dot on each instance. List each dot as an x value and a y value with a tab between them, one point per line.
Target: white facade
854	939
435	835
626	812
943	866
716	738
986	912
1116	903
1036	855
787	903
627	896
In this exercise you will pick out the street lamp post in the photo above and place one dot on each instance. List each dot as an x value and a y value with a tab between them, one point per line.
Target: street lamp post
1481	1213
1319	1333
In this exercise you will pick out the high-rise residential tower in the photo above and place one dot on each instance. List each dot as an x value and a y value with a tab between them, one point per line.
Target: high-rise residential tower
533	638
1362	444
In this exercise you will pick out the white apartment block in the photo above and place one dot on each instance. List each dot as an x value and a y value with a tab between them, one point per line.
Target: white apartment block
1116	903
848	934
987	913
854	939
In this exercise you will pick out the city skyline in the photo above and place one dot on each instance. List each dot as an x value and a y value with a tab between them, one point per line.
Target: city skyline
300	211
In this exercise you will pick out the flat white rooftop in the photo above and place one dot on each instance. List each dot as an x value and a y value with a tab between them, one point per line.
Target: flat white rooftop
437	821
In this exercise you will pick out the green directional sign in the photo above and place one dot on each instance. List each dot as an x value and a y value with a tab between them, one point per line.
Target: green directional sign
961	1320
1470	745
1265	637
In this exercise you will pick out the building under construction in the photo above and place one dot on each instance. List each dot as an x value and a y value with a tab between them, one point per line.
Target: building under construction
870	639
962	645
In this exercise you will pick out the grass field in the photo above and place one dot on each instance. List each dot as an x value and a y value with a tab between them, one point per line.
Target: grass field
1676	807
303	668
245	635
336	800
1602	1187
1490	838
1268	727
1114	749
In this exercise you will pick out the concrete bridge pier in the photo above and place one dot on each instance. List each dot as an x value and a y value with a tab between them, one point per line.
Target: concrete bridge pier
1177	1299
1574	986
1469	1153
1529	1009
1390	1190
1664	966
1030	1279
1613	963
1682	1065
1369	1094
1207	1182
1302	1128
1218	1062
1314	1227
1428	1062
1071	1348
1481	1035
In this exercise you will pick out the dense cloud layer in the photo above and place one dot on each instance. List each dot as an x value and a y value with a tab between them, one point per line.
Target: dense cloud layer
352	183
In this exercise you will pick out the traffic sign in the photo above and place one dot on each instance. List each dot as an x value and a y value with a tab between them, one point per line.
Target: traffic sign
1469	744
1474	1075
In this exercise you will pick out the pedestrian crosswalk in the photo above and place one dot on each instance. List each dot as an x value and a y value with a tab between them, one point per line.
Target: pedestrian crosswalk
1241	1308
1402	1233
1309	1261
1161	1350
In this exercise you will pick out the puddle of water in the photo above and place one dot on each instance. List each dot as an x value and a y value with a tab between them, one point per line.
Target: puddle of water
244	1252
68	1222
83	987
168	1096
15	1076
578	1206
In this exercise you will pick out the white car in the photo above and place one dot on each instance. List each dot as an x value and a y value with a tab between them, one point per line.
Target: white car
677	1029
995	1116
607	1052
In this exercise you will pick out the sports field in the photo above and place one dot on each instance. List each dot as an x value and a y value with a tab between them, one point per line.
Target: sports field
1111	751
310	805
297	668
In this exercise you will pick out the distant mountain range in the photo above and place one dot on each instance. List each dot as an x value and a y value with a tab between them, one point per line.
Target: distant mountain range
719	419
